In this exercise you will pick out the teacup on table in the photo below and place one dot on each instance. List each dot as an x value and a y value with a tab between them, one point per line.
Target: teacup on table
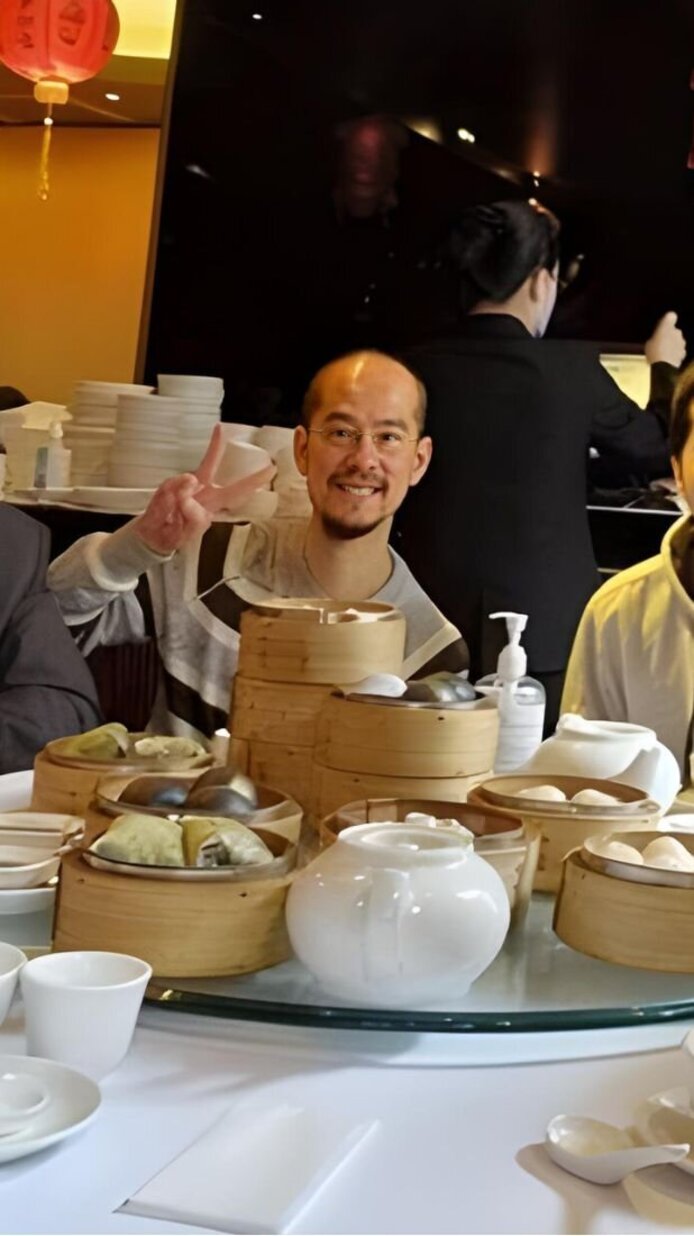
81	1007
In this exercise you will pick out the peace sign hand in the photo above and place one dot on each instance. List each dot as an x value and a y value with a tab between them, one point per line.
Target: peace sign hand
183	507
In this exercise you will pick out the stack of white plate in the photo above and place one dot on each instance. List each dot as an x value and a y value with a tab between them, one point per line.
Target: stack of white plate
200	408
146	445
90	434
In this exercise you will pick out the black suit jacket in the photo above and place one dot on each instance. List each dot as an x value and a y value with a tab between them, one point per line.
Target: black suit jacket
46	690
499	521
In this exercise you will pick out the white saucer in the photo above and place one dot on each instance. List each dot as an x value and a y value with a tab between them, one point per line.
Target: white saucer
667	1118
74	1102
112	497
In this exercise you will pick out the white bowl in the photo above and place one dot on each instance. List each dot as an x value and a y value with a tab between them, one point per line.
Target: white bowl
11	961
273	439
25	867
240	459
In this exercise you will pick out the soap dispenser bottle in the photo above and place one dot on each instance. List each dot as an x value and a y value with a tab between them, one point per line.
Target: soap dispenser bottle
53	461
520	699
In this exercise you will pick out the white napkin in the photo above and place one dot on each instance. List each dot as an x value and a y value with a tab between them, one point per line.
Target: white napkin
253	1171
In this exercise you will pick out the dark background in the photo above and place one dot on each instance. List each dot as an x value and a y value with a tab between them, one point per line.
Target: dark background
264	269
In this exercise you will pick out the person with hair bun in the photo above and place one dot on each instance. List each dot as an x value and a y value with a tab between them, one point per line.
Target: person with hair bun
500	520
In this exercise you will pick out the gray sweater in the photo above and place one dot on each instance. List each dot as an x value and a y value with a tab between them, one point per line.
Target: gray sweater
196	598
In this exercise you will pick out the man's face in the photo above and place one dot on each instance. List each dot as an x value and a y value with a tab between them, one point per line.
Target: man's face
355	486
683	467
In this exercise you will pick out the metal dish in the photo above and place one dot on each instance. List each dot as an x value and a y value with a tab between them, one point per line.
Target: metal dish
283	862
621	870
502	792
130	763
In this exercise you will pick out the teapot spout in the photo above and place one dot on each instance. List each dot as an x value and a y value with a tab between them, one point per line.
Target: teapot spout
656	772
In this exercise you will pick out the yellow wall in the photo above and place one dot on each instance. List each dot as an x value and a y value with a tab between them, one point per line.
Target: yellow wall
72	269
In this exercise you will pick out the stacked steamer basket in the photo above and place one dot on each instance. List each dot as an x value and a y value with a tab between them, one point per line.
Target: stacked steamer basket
90	433
368	746
563	825
292	655
502	840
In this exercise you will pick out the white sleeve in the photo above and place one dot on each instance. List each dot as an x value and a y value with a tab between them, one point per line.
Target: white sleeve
94	583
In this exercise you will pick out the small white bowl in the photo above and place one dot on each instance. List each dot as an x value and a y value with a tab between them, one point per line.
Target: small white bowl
25	867
22	1097
11	961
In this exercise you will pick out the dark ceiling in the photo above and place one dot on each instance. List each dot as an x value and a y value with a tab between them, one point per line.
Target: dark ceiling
594	92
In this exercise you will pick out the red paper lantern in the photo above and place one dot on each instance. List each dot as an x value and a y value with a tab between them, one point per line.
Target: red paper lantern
57	42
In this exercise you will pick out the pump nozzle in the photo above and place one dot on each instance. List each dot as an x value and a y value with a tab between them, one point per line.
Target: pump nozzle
513	661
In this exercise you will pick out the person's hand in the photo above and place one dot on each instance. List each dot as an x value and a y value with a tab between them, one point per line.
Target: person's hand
666	343
183	507
174	516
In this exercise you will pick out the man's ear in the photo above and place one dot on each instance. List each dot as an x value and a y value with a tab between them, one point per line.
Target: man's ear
301	449
675	463
422	459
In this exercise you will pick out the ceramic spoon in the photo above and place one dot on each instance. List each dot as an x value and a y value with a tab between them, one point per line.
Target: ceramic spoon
21	1098
601	1152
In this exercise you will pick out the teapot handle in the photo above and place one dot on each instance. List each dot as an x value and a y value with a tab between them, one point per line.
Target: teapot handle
386	901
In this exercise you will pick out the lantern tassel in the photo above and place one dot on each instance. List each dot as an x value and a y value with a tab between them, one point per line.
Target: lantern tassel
44	186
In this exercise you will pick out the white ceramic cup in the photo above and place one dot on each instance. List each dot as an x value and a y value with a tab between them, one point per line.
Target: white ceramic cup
11	961
81	1007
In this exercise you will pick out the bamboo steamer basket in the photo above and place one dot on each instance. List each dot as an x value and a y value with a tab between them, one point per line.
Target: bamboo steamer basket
368	747
320	641
182	928
627	921
564	826
292	655
511	847
68	786
276	813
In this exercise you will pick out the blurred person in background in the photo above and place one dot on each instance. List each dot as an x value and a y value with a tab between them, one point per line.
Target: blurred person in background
500	521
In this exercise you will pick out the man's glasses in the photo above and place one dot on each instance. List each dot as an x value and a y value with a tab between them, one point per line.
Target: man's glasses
386	441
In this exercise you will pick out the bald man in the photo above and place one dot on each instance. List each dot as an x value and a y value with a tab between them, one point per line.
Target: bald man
361	445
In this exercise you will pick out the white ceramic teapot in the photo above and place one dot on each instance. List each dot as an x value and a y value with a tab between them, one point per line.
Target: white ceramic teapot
615	750
398	914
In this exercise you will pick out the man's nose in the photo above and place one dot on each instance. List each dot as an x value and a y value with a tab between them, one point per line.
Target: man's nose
364	453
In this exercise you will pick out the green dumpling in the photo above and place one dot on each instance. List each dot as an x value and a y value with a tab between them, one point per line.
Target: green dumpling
107	742
154	746
145	839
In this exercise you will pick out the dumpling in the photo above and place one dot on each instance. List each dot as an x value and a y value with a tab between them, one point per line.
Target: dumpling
543	793
607	848
595	798
107	742
668	854
154	746
145	839
217	842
